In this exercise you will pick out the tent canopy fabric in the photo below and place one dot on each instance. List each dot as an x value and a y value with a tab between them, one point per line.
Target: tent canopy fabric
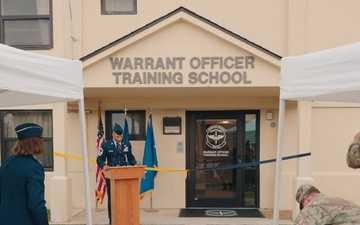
29	78
329	75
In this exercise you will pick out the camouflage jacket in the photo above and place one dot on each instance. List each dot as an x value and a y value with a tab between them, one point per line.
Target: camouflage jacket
329	210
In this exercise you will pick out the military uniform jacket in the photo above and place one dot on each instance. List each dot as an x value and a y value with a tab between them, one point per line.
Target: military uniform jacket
329	210
22	192
114	156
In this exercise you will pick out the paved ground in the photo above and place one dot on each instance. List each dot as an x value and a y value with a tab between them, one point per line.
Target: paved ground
169	217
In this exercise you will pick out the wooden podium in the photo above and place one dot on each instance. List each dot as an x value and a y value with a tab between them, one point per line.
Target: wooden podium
125	194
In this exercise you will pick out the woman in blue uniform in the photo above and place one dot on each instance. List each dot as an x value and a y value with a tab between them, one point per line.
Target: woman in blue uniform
22	180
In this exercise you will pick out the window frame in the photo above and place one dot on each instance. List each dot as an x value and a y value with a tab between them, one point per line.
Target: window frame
142	124
4	18
104	12
3	140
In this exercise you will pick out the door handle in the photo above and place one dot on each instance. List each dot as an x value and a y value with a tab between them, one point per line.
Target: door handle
239	159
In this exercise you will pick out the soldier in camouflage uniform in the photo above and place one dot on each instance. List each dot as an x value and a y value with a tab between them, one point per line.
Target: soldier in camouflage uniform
317	208
353	154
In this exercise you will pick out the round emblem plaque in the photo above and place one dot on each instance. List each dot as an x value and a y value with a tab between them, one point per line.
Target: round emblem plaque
221	212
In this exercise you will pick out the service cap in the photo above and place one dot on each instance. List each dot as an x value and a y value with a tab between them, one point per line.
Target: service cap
117	129
27	130
301	192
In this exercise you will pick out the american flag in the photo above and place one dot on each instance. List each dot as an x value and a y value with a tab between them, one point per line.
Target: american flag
100	190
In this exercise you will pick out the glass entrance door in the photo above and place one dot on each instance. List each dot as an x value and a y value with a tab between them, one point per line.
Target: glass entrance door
221	139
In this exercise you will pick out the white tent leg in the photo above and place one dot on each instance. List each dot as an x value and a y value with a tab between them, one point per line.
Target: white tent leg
279	161
85	161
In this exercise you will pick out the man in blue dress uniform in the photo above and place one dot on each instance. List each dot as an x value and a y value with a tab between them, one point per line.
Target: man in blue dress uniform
115	152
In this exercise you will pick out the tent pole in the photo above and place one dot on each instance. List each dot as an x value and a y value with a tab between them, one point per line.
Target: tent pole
279	161
85	161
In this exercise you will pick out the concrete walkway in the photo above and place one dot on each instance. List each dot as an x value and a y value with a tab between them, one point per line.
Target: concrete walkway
169	217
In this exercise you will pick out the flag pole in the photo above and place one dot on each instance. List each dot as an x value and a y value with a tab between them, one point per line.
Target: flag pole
151	198
100	189
99	108
126	135
151	205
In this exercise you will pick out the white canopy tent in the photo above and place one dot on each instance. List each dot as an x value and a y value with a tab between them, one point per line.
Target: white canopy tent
27	79
331	75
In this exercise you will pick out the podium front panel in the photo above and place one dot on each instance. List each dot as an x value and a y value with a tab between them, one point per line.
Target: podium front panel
125	194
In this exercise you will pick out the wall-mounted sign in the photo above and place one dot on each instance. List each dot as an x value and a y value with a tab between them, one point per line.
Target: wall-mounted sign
170	70
172	125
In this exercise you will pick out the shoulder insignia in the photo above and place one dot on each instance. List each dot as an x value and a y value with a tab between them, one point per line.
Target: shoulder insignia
100	152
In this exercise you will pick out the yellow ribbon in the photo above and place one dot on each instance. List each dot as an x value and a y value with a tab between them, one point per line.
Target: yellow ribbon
146	168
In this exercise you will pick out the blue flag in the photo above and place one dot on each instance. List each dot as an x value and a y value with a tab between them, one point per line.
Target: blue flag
126	137
149	160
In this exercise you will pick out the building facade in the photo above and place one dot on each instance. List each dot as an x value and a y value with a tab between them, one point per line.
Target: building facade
209	73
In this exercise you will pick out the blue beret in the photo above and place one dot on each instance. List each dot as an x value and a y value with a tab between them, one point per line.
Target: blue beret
117	129
27	130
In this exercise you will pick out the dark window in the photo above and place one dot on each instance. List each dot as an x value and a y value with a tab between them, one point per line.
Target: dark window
10	119
109	7
26	24
136	123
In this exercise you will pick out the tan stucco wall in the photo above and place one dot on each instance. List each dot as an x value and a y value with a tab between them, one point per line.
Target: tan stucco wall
283	27
332	135
325	28
253	20
267	24
167	184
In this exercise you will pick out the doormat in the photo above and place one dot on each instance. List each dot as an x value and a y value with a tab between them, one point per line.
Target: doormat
220	213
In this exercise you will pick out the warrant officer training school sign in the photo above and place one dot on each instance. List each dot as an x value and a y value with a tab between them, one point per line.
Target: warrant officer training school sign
170	70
